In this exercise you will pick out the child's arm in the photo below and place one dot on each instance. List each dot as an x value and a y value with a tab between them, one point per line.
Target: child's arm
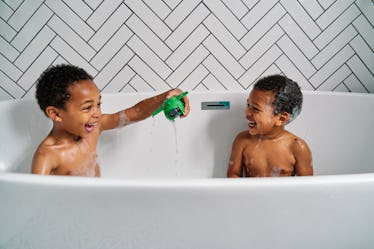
303	155
235	168
141	110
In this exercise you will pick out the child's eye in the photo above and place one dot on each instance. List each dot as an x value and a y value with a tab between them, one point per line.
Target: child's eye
87	108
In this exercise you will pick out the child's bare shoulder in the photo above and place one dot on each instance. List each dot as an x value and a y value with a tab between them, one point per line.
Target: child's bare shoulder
298	144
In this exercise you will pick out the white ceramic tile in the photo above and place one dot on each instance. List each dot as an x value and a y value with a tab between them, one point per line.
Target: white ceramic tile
71	19
8	50
102	13
149	57
306	23
224	36
331	66
312	7
222	55
221	73
362	73
194	59
266	23
332	48
111	25
262	64
149	18
298	36
147	74
365	30
161	9
226	17
33	26
296	56
117	83
336	27
363	52
180	13
35	48
37	67
257	13
12	89
187	27
333	13
23	13
189	45
262	45
108	51
71	37
238	8
112	68
148	37
9	69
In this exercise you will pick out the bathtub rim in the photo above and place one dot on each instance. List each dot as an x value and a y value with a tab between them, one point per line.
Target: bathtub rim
76	181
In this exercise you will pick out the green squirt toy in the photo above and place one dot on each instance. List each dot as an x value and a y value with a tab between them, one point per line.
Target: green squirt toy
172	107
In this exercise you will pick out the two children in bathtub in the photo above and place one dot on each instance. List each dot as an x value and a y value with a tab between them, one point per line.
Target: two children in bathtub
69	97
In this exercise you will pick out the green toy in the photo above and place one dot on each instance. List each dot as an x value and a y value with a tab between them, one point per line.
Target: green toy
172	107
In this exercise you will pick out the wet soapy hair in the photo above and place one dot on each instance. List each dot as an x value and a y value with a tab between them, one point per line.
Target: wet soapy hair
52	85
287	94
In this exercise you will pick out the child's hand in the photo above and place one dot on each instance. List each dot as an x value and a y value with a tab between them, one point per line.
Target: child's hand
176	92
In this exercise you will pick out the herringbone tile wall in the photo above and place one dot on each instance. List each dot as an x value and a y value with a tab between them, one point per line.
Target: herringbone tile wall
204	45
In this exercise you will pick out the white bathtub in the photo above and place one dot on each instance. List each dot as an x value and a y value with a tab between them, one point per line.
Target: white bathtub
163	185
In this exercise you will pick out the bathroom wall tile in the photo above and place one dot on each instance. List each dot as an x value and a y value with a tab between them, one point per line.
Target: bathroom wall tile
221	73
35	48
298	36
266	23
188	45
306	23
147	74
153	41
222	55
161	9
152	45
149	18
336	27
41	63
226	17
71	19
224	36
238	8
187	26
108	51
111	25
80	8
23	13
34	25
181	12
262	45
361	72
149	57
71	37
111	69
8	50
102	13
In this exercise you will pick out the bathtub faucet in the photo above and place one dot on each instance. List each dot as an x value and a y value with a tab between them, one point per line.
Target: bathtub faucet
172	107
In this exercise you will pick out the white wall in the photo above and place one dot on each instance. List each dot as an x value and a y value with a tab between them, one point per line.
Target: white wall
204	45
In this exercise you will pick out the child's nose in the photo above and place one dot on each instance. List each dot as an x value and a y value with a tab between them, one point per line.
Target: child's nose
96	112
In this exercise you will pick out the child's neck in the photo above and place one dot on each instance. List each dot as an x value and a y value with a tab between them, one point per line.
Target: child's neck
274	134
62	135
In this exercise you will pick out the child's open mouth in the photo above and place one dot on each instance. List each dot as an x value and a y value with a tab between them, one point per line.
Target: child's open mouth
251	124
90	126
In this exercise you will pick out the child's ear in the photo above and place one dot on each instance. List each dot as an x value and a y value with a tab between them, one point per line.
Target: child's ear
53	113
283	118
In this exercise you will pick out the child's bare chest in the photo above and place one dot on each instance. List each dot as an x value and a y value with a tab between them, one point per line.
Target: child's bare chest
269	159
79	159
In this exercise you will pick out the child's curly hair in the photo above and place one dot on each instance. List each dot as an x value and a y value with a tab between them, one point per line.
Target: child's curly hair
52	85
287	94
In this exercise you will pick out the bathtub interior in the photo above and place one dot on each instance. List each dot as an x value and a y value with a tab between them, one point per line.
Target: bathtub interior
337	127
